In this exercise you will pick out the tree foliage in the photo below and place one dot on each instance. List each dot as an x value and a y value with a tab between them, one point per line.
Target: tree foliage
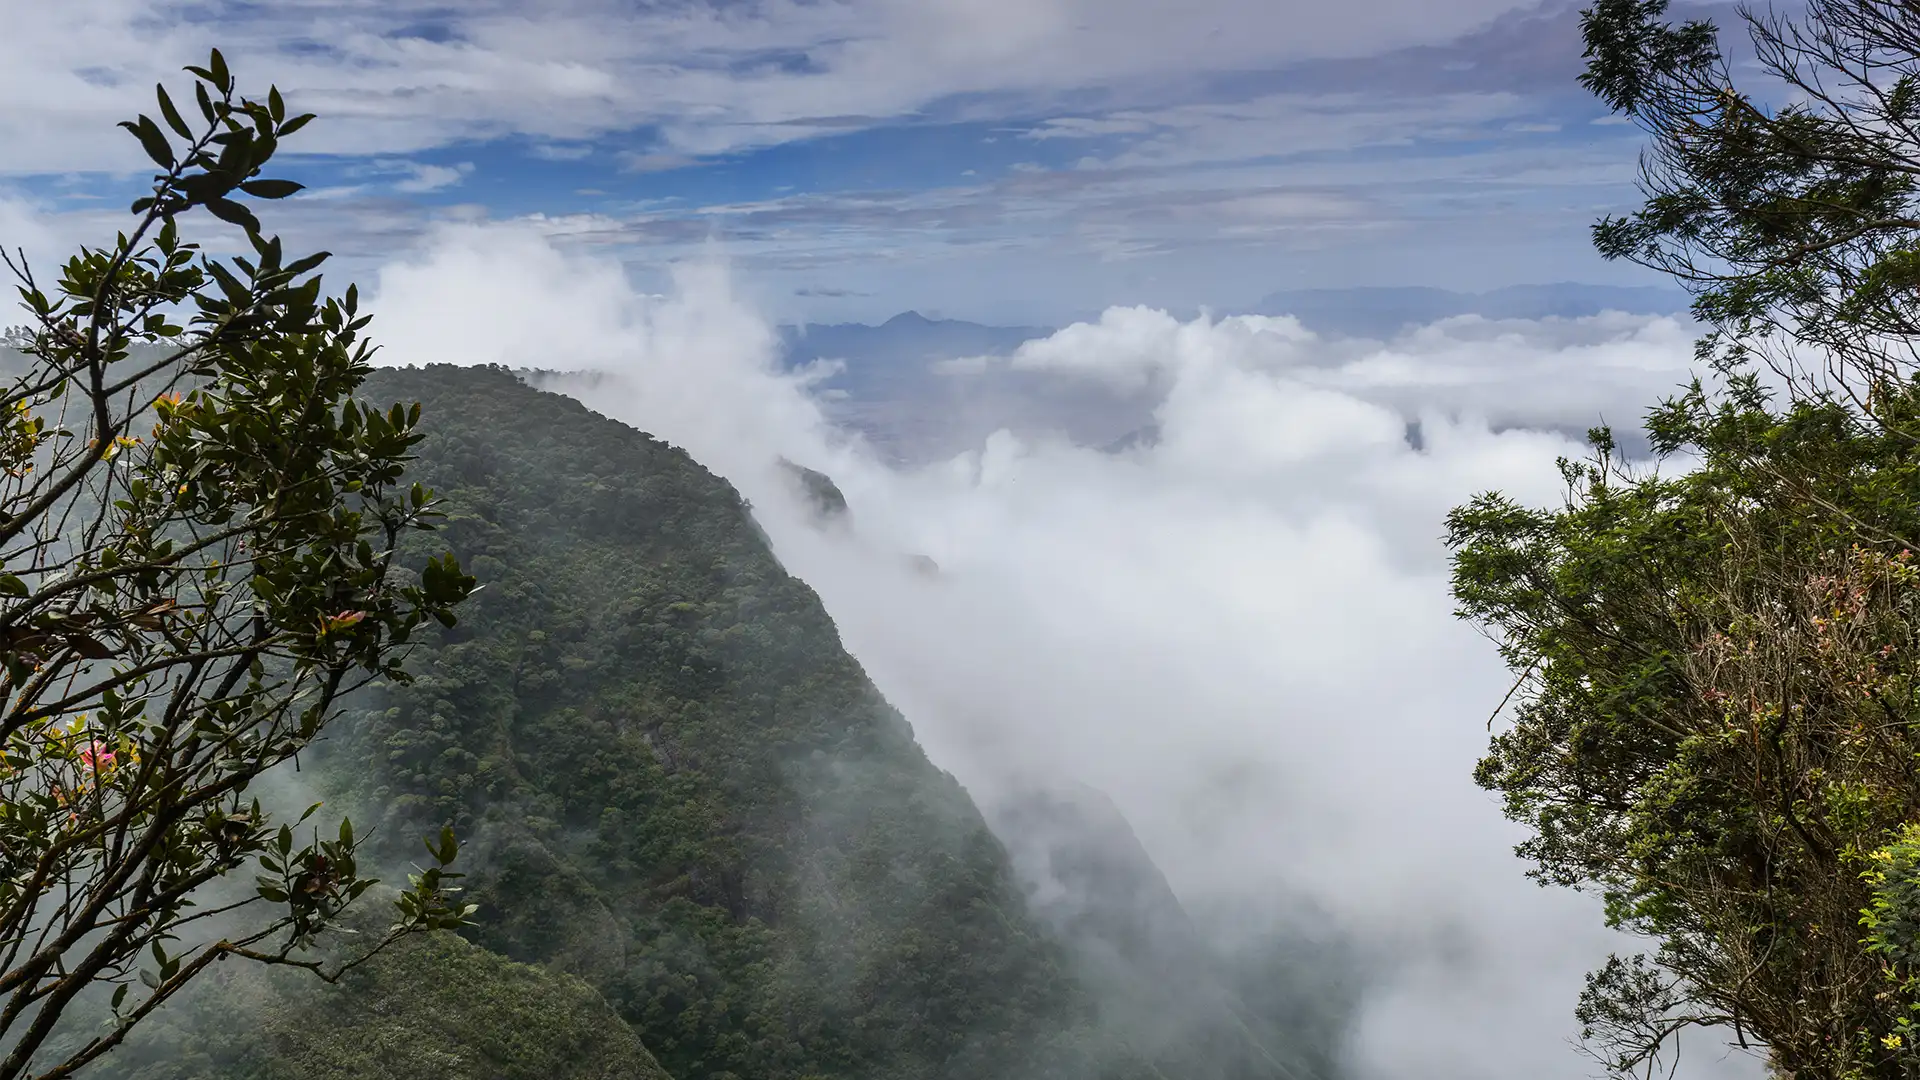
197	533
1794	225
1715	730
1719	668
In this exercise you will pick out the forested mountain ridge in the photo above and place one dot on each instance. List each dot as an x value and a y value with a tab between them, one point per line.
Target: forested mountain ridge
675	781
435	1006
688	810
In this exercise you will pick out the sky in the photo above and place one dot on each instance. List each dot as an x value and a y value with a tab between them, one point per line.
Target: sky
1012	161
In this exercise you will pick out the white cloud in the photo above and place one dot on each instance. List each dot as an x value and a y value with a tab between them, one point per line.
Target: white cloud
1303	123
547	151
1207	183
713	78
24	227
1242	632
1087	127
1567	374
646	163
423	178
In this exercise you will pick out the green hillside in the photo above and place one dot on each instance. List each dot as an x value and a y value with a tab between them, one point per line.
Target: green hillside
435	1007
675	781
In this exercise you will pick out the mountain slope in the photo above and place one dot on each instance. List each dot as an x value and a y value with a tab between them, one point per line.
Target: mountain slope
429	1007
1385	311
1263	1006
676	782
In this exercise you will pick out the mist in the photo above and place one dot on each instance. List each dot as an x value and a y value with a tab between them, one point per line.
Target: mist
1239	629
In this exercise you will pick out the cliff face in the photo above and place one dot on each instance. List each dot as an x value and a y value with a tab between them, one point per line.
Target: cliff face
679	786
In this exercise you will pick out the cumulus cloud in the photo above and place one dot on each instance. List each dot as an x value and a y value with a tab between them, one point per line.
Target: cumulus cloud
422	178
1241	631
1558	374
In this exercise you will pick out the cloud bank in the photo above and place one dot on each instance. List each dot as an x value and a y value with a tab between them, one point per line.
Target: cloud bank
1240	631
1558	374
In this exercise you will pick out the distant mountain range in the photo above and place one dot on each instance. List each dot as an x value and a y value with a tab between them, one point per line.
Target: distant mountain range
888	389
913	339
1383	312
900	348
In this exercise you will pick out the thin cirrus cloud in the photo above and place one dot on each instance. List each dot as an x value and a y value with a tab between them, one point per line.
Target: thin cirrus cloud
714	77
1140	146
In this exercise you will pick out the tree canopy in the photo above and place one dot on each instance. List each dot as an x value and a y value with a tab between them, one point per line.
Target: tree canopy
1794	225
1718	654
197	530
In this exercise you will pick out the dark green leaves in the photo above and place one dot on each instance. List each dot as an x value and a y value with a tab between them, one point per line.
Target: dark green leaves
1786	222
302	265
171	114
445	849
1629	51
232	212
215	72
197	567
270	189
151	140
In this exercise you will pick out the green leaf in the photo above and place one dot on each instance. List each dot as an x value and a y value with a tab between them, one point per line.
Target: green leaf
170	114
276	106
12	586
301	266
236	292
90	647
295	124
217	66
151	140
233	213
271	189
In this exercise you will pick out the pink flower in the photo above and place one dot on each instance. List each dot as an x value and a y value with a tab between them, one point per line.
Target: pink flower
97	757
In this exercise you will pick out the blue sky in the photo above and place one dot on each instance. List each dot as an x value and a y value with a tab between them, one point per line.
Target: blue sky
1005	160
